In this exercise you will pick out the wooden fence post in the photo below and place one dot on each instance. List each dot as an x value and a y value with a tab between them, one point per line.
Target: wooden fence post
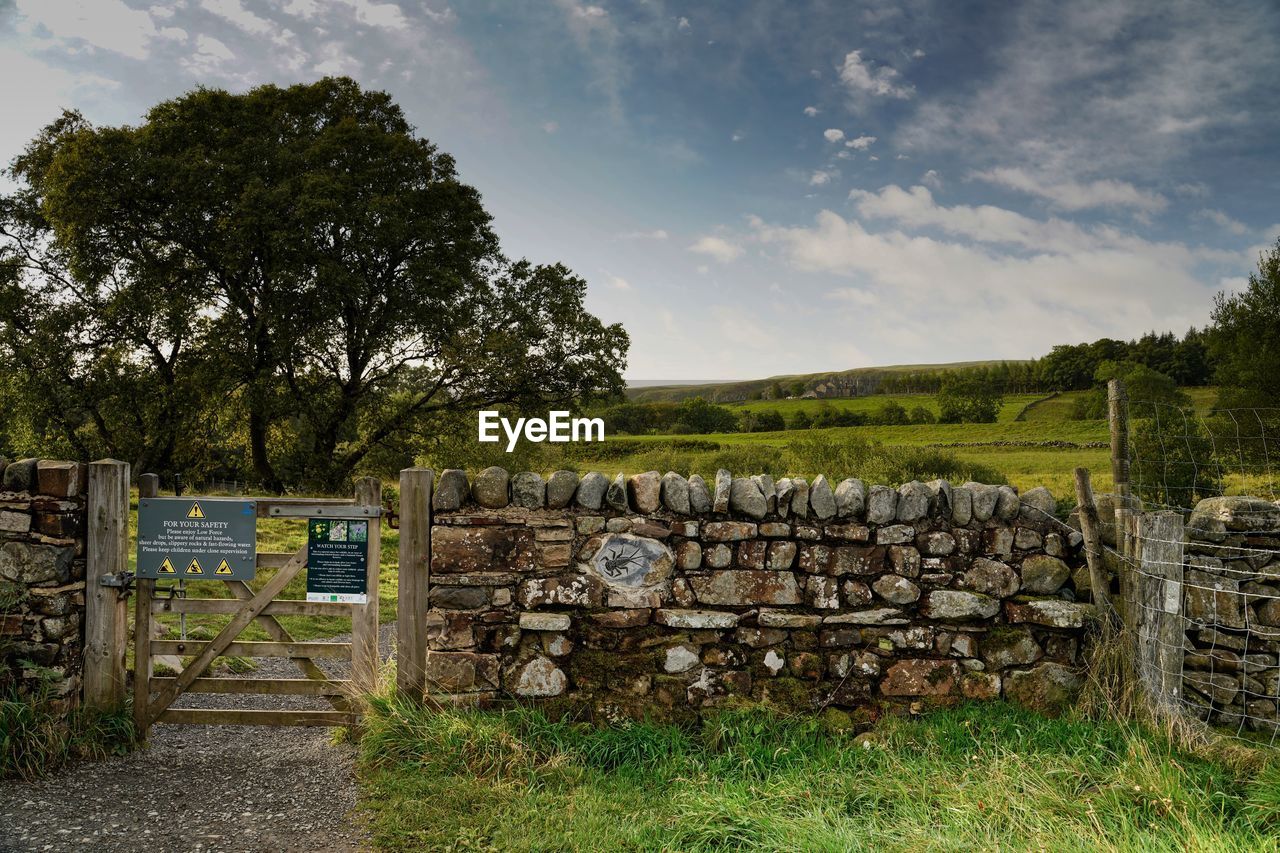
365	659
1099	580
1161	627
415	572
143	590
106	634
1118	420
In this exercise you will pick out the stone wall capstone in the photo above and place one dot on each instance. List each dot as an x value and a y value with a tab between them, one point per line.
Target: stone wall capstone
42	570
663	596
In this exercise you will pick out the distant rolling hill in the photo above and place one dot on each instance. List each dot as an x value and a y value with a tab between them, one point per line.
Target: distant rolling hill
860	380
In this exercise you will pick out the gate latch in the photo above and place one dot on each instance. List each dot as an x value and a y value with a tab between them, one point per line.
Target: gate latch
120	580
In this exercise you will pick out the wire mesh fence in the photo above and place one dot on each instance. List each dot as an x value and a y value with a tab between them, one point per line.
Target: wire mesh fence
1205	588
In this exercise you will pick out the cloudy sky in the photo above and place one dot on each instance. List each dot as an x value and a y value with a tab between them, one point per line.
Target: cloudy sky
756	188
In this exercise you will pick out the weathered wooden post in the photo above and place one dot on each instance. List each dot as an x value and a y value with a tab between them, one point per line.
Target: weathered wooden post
106	635
364	619
144	589
415	572
1161	627
1099	581
1118	420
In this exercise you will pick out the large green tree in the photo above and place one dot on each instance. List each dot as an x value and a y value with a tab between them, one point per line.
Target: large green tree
1244	340
291	274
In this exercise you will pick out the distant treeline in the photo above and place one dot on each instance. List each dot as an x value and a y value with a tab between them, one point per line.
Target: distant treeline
961	398
1070	367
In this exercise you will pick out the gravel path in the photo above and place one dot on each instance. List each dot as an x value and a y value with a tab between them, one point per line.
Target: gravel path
206	788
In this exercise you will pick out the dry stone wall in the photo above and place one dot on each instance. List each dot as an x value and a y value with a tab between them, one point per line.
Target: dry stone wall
42	569
659	595
1231	603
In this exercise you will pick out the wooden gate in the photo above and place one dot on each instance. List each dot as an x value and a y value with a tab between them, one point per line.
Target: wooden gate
153	696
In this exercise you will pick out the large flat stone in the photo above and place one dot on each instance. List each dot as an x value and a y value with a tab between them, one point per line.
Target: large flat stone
461	672
696	619
482	549
1050	612
920	677
746	587
958	605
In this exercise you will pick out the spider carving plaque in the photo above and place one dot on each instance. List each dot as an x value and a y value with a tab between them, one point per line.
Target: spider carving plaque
632	562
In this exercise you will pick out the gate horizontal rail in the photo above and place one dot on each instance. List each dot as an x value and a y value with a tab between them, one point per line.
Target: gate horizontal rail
228	606
266	686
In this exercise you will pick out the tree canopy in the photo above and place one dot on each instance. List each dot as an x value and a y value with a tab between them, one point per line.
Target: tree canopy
1245	338
276	284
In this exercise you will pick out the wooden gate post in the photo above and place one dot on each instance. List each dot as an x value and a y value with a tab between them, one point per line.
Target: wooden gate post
415	571
143	590
1161	627
364	619
106	634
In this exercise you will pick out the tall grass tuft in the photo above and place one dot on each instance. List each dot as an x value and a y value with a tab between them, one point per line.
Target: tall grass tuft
36	739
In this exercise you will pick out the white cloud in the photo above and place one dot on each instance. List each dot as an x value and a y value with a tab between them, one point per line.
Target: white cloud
918	54
861	143
854	296
718	248
108	24
683	25
338	62
550	126
932	179
1074	195
597	37
656	234
1222	220
385	15
209	57
1032	298
737	136
811	111
861	76
617	282
234	12
302	8
821	177
833	134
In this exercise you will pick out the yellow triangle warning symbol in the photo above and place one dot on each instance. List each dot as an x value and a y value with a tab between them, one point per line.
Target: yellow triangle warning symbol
195	511
166	568
194	567
224	568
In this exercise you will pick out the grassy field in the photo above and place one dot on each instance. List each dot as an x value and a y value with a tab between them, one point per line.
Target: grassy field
872	404
973	778
1024	452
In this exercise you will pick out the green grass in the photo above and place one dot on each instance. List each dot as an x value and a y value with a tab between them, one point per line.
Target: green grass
976	777
1001	447
1012	405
